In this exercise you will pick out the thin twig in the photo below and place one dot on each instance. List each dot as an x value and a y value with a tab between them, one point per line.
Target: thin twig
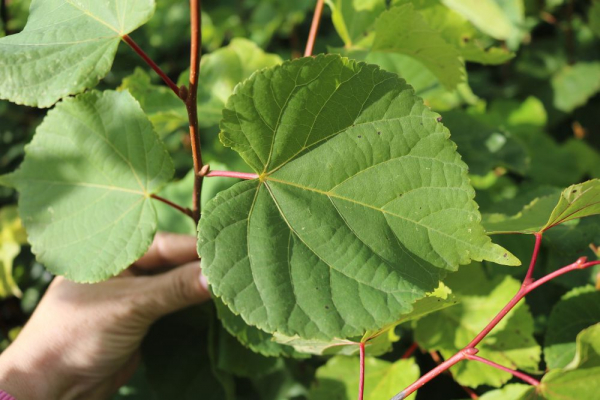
191	101
314	29
361	381
409	352
536	251
520	375
184	210
438	360
151	63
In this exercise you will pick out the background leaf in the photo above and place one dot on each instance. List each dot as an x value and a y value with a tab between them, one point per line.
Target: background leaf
578	309
66	47
85	186
578	380
354	20
12	236
403	30
338	379
484	14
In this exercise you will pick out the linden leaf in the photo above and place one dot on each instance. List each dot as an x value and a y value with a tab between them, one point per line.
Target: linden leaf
66	47
85	186
362	204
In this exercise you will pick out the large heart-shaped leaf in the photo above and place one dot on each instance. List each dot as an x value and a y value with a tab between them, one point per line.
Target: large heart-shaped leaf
362	203
85	185
66	47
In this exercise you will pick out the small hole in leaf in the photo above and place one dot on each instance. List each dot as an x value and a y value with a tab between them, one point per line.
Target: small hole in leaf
327	307
379	133
574	191
359	136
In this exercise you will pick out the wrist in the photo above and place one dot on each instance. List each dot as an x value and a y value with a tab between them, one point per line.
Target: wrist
28	377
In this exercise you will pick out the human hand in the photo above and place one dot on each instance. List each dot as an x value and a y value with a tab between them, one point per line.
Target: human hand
82	341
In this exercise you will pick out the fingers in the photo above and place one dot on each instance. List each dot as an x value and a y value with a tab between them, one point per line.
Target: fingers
169	249
175	290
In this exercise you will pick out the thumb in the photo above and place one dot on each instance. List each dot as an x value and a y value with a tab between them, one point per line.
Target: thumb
174	290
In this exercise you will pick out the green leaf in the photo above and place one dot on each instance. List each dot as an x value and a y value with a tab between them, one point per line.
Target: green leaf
458	31
354	20
338	379
574	85
85	186
66	47
575	202
221	71
12	237
360	207
258	341
238	360
485	15
510	344
543	213
530	219
165	110
425	83
578	380
577	310
404	30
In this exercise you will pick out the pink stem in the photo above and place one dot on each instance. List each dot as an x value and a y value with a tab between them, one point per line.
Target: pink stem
536	251
469	351
361	382
432	374
520	375
232	174
579	264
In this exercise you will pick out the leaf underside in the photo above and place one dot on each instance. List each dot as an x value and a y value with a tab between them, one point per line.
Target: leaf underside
66	47
362	204
85	186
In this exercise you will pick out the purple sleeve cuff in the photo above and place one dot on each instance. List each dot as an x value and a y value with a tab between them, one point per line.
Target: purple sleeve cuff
5	396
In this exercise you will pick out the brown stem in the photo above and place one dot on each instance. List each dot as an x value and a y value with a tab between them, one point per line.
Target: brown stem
151	63
191	102
314	28
184	210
